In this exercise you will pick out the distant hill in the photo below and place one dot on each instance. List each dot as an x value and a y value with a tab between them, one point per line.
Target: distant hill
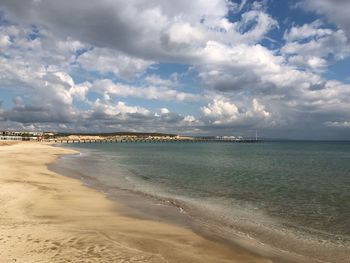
140	134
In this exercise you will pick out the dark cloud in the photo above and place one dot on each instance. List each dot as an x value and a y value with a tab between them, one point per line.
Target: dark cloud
36	114
318	86
233	79
112	24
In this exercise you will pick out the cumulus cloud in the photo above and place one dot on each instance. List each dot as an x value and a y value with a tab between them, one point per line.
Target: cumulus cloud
156	80
102	109
109	89
338	124
88	71
39	72
263	23
163	31
4	41
311	44
190	119
106	115
113	24
110	61
337	11
80	91
312	62
229	68
223	112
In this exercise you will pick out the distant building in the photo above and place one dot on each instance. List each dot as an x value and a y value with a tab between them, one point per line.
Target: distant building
26	136
227	137
10	138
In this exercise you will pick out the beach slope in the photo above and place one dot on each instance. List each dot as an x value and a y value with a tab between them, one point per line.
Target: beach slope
46	217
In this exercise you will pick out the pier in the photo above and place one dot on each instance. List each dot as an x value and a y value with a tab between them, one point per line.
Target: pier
121	137
140	140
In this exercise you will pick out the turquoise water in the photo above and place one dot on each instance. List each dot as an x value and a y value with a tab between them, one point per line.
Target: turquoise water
295	187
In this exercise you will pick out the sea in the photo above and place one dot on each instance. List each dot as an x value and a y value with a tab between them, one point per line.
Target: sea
287	200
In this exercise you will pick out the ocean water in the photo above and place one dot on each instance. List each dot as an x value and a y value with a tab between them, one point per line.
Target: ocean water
291	195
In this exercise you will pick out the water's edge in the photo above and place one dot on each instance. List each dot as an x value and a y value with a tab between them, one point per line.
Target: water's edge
138	204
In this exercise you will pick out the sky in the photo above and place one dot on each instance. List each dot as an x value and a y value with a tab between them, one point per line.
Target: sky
199	67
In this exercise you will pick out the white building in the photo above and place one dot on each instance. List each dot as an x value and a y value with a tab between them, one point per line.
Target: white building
10	138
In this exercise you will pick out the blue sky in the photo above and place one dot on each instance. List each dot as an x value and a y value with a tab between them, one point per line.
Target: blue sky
204	67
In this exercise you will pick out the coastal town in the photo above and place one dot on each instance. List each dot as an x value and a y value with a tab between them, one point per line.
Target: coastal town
115	137
26	136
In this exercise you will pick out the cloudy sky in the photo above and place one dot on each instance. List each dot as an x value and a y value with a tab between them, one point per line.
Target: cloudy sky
204	67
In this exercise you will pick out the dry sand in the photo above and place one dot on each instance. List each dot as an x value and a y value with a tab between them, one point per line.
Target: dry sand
46	217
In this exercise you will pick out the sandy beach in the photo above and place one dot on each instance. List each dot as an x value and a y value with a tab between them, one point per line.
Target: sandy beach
47	217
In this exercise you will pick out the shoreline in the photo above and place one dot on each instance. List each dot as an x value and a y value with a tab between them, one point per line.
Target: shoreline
140	205
234	236
48	217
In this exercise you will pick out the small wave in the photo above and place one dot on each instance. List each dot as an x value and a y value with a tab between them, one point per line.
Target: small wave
236	221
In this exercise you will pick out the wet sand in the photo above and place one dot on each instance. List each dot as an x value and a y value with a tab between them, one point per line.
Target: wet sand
47	217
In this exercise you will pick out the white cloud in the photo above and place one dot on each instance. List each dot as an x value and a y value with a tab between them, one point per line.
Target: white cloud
107	86
164	111
312	62
121	108
184	34
156	80
305	31
110	61
311	44
338	124
263	24
190	119
4	42
337	11
222	112
80	91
